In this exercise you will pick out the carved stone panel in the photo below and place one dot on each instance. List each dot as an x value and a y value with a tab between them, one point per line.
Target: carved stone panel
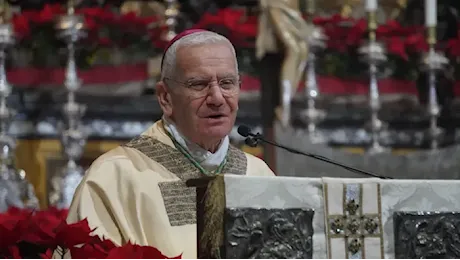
422	235
268	233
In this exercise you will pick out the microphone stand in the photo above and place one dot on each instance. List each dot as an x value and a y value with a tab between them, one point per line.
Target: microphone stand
253	140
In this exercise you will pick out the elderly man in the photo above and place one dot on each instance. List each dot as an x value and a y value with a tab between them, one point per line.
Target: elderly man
137	192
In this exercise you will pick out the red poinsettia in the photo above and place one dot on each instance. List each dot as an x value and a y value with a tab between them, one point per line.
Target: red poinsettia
97	248
453	45
45	15
136	252
41	229
417	42
241	28
397	46
22	231
103	25
356	33
11	227
393	28
337	29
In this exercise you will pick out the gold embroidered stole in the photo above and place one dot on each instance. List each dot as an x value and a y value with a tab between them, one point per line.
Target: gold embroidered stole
180	200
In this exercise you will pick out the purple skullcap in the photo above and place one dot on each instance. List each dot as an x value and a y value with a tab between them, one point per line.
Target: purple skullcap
178	37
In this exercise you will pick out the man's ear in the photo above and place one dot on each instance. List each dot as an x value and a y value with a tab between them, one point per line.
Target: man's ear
164	98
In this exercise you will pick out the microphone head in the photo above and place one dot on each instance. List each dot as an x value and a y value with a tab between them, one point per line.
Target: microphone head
250	141
244	131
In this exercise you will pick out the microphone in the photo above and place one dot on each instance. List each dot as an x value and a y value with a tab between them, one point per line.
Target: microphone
253	140
244	131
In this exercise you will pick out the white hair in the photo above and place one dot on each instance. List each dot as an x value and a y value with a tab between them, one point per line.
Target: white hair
199	38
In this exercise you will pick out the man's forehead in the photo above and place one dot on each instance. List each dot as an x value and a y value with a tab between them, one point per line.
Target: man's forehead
208	76
197	49
204	54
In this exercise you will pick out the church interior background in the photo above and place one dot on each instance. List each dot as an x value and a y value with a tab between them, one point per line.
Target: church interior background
378	90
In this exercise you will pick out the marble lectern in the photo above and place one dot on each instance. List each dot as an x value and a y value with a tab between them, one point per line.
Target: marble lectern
290	217
261	217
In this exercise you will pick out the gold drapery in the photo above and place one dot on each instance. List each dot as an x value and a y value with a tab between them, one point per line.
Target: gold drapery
212	237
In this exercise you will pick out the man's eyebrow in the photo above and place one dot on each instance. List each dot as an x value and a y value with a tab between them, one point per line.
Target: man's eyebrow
227	76
196	78
193	79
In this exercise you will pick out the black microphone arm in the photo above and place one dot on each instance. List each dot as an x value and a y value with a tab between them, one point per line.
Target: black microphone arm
253	139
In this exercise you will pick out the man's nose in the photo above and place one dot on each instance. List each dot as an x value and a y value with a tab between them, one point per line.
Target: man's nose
215	96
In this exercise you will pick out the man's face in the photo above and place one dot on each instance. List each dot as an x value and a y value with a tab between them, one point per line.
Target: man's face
203	103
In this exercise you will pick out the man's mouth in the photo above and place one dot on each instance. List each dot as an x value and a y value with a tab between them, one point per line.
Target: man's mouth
215	116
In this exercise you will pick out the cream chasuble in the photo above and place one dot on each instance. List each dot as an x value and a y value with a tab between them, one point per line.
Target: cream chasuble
137	193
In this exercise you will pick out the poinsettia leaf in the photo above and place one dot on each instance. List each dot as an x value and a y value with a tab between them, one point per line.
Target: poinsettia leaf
126	251
88	251
70	235
48	254
10	230
14	252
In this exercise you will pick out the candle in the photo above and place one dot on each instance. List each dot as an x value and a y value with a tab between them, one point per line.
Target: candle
70	7
311	7
430	13
371	5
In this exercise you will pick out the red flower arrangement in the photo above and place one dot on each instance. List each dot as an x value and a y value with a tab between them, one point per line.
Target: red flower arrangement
141	38
241	29
339	30
39	234
98	20
106	29
404	44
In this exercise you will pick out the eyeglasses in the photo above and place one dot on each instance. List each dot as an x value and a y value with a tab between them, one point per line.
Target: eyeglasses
200	87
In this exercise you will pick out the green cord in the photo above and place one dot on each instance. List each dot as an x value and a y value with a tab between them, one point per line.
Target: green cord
194	162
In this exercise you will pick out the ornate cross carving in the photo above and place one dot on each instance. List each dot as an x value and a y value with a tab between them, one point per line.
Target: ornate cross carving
353	226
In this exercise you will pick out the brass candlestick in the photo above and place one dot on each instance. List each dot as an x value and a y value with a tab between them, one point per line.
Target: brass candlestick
374	54
432	63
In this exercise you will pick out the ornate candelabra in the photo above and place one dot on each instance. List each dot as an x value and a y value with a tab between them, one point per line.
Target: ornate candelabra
433	62
316	43
71	28
171	14
374	54
15	190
